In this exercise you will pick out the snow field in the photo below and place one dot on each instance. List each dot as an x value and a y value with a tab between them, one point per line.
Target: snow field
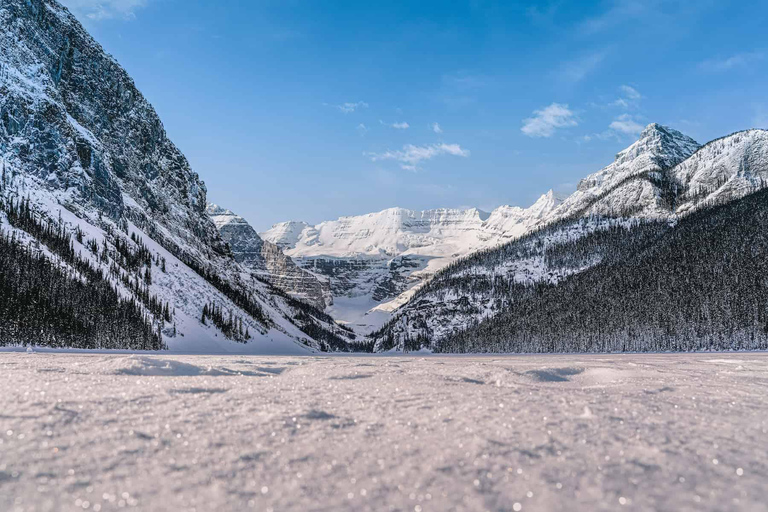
686	432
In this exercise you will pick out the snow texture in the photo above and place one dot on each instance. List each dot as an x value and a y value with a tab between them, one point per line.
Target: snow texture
533	433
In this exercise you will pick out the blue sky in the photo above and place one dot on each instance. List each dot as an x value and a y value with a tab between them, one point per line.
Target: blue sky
310	110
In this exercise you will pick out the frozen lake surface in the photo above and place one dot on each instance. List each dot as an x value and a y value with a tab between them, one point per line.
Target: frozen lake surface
504	433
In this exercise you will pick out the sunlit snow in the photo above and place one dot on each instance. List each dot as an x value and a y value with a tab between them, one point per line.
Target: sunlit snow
524	433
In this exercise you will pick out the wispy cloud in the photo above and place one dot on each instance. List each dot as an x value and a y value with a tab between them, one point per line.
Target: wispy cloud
630	97
577	69
546	121
630	92
620	129
396	126
626	125
543	16
362	129
348	107
411	156
105	9
436	128
719	65
465	81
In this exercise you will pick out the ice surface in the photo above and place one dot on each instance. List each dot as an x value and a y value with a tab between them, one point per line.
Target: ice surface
532	433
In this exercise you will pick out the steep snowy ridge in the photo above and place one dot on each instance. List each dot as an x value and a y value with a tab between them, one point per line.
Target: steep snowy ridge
661	178
722	170
626	187
376	261
512	221
81	142
287	235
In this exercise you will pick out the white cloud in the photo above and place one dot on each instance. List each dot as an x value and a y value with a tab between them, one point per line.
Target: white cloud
105	9
630	98
436	128
621	102
362	129
396	126
624	124
630	92
546	121
348	107
724	64
411	156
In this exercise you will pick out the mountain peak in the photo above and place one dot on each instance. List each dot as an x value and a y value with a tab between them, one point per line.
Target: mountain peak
663	145
222	216
214	209
551	196
655	130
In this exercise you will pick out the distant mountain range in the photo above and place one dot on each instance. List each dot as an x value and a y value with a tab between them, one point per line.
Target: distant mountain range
107	239
375	262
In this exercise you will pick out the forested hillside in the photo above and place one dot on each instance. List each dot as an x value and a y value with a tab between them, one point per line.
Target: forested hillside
55	297
700	285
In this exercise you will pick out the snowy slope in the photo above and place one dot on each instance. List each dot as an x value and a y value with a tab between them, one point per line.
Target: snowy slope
571	433
80	141
724	169
376	261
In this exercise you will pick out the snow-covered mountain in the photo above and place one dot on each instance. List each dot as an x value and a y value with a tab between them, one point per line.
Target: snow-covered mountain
267	261
630	185
661	178
722	170
79	140
376	261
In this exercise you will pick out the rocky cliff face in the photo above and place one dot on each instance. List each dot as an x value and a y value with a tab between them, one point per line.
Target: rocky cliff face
267	261
81	142
71	116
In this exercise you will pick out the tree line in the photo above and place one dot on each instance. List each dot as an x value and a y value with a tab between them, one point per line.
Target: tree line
64	303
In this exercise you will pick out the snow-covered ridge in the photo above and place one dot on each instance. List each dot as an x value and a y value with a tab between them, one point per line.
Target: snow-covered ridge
722	170
397	231
612	190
